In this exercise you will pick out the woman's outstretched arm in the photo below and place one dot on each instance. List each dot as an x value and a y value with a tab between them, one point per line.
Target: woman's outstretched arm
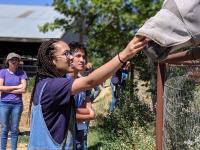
105	71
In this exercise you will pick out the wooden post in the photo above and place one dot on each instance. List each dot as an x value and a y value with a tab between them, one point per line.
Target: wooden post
159	106
132	86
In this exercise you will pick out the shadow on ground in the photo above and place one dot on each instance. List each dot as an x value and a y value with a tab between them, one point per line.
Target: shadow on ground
27	133
97	146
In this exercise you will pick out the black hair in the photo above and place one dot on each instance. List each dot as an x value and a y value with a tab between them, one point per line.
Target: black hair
75	46
46	68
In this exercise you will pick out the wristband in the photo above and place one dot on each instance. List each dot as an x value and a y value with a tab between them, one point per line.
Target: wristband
120	59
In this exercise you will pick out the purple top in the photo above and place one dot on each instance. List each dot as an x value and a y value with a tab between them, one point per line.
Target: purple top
12	79
56	102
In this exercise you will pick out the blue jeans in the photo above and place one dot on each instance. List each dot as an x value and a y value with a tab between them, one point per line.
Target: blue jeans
81	139
10	115
114	99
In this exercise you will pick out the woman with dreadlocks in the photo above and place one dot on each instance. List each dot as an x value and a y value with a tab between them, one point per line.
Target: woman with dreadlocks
53	117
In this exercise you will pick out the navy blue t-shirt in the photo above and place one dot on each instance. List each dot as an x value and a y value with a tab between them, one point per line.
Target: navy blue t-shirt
56	102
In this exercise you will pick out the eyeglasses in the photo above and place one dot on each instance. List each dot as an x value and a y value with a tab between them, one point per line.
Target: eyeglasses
68	53
15	59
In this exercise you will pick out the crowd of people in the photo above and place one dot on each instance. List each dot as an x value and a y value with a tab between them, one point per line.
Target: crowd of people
61	100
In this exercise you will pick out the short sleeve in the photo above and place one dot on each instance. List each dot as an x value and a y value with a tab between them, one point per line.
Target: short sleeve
23	75
56	93
60	90
2	73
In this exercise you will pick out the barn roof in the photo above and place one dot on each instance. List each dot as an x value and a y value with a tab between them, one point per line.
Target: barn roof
20	23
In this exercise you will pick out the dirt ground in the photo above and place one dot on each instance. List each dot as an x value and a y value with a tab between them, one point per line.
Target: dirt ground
24	122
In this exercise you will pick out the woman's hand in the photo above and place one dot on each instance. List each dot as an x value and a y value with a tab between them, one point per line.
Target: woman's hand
133	47
20	86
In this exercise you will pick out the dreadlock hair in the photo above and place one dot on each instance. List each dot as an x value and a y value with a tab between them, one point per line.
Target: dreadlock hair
46	68
75	47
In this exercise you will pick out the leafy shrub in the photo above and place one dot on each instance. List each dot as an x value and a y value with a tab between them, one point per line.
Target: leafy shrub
130	126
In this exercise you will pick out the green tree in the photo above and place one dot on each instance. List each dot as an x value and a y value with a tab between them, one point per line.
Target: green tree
107	24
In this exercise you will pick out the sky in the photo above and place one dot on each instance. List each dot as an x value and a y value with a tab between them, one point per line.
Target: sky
27	2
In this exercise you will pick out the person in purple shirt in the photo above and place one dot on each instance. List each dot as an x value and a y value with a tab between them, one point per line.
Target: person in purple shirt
53	106
12	85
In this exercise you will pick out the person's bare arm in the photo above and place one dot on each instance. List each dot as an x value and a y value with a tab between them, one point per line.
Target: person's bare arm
8	89
105	71
83	111
22	89
86	113
85	117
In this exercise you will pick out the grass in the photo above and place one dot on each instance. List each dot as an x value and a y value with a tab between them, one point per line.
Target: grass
143	140
99	138
23	139
30	84
94	139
